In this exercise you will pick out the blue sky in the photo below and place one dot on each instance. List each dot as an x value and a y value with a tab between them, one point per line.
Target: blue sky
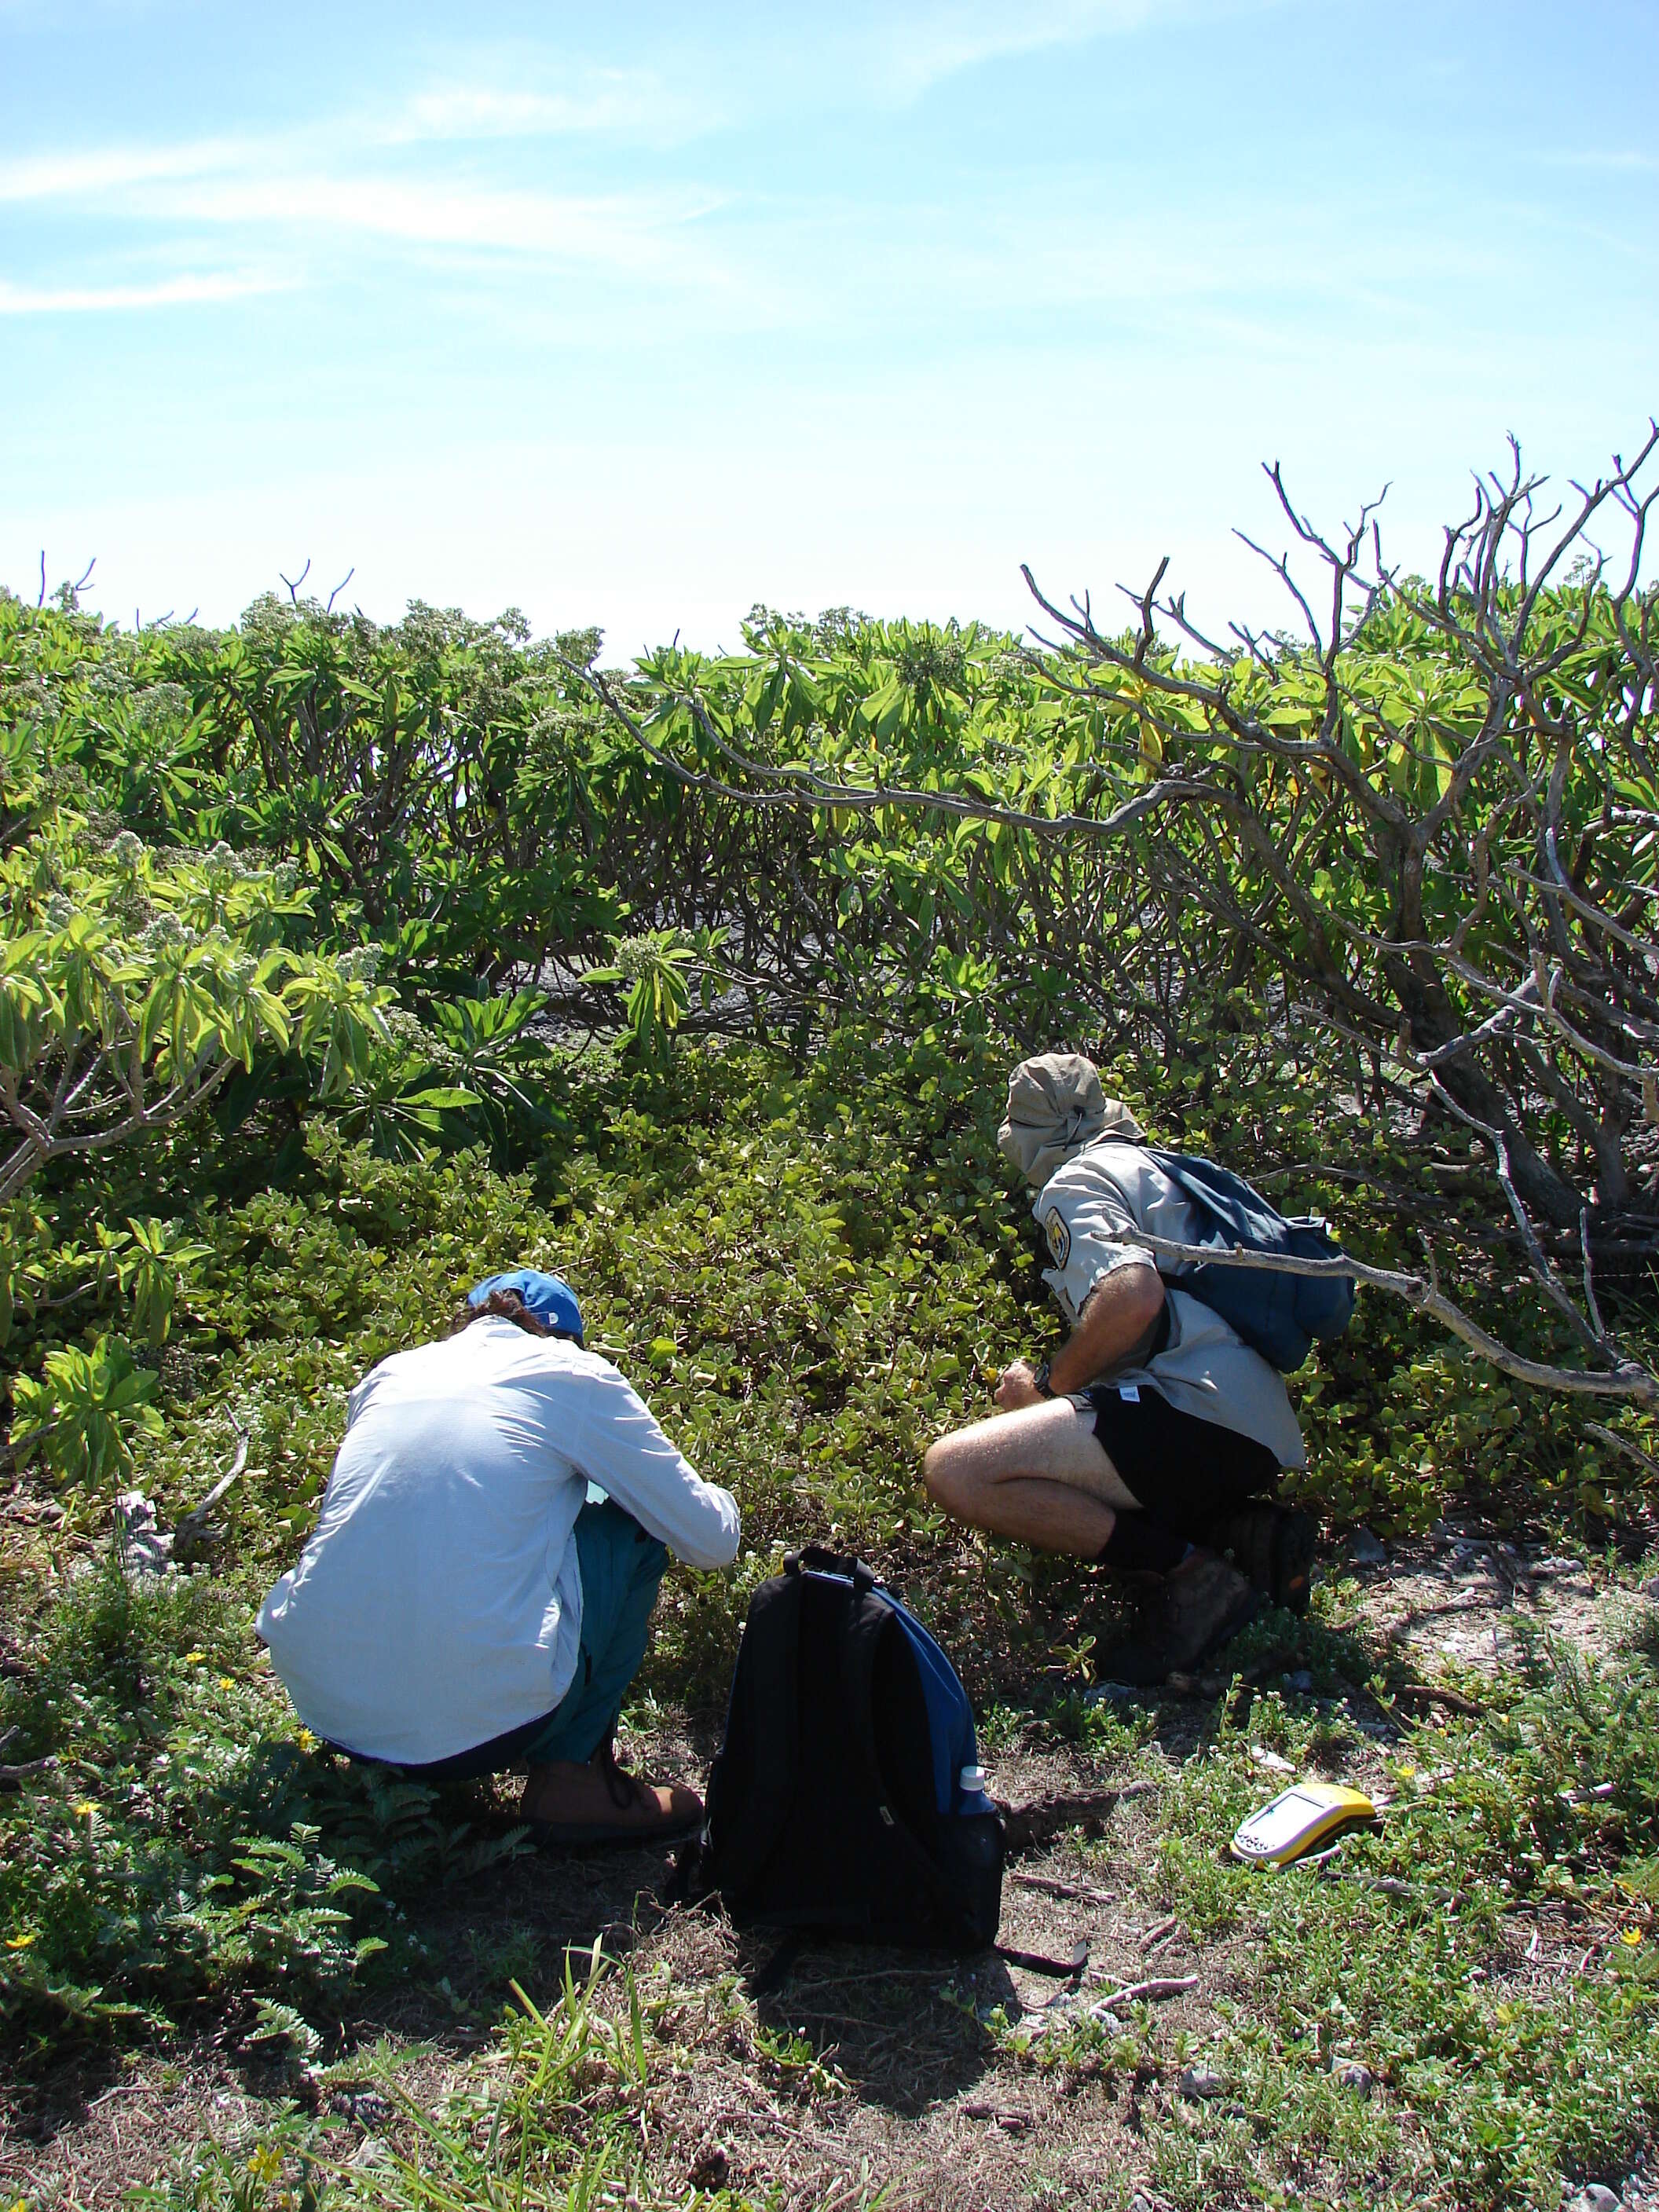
637	314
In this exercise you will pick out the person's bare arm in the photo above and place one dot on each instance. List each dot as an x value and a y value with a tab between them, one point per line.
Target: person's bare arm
1121	1313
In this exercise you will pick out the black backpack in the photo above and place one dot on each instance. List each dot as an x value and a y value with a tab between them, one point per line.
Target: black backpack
835	1805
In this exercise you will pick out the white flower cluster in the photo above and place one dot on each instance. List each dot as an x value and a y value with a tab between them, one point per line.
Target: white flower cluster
407	1029
360	964
634	955
166	934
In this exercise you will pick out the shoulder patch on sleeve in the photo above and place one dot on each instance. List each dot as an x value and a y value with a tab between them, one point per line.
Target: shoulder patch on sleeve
1059	1236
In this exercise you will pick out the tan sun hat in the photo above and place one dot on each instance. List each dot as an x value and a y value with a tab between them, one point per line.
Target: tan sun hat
1056	1106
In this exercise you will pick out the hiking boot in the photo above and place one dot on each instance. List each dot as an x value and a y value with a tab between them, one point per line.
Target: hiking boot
1202	1603
1273	1547
600	1802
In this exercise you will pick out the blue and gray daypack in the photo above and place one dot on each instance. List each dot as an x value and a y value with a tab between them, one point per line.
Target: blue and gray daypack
1277	1314
837	1805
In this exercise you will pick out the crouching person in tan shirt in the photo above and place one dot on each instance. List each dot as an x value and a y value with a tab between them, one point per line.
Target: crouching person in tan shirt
1153	1439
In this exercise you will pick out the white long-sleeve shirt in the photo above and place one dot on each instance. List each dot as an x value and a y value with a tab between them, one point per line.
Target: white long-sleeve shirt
439	1601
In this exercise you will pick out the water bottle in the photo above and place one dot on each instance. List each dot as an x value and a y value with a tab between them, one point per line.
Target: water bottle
974	1796
972	1848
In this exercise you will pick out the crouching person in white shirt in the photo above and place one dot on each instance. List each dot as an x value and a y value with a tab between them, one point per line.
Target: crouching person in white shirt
464	1607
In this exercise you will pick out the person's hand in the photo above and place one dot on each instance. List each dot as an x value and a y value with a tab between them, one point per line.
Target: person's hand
1016	1387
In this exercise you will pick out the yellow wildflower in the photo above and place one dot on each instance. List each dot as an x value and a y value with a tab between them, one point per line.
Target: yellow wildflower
1632	1936
19	1943
227	1682
83	1808
305	1739
266	2162
194	1658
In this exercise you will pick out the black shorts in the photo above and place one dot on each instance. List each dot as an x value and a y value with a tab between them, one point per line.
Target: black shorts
1186	1473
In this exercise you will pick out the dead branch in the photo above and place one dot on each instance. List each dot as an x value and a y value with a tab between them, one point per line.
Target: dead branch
1148	1992
1624	1378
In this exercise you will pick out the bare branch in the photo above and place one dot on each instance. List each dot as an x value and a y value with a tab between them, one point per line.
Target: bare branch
1631	1448
1629	1379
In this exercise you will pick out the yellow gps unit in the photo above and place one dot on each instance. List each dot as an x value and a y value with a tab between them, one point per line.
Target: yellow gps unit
1308	1813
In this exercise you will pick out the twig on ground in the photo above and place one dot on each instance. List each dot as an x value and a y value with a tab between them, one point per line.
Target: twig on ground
1426	1693
1013	2121
1150	1992
1052	1886
193	1531
1389	1885
12	1778
1161	1933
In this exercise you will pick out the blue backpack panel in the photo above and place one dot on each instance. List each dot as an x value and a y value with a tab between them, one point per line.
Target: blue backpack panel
1278	1315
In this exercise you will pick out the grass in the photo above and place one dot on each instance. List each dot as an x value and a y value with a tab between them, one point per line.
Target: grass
1490	1957
1415	1955
805	1295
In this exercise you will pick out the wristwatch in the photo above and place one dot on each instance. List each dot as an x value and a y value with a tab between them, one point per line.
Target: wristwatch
1043	1387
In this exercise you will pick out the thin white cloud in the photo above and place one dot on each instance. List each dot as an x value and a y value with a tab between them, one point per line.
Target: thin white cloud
167	292
937	42
97	171
635	232
599	100
913	49
296	181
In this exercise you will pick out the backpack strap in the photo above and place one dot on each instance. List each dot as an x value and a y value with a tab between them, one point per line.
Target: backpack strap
770	1660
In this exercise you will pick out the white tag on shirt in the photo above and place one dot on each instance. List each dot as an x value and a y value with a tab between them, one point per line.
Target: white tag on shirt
1130	1392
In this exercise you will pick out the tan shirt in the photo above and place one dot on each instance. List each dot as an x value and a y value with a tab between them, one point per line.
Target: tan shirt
1204	1369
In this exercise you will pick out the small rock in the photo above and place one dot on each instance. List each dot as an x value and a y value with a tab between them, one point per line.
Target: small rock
145	1550
710	2170
1594	2197
1103	2016
368	2109
1557	1565
1302	1680
1201	2081
1353	2076
1650	1588
1367	1550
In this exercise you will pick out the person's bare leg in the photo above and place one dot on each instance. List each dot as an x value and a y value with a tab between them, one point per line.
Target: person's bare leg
1038	1475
